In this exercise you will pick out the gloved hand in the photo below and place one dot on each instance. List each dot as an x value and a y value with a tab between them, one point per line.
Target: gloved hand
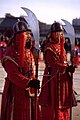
34	84
71	68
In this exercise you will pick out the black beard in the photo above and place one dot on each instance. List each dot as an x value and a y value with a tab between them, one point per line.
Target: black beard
28	45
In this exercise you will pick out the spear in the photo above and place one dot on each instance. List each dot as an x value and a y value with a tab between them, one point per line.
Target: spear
70	31
34	25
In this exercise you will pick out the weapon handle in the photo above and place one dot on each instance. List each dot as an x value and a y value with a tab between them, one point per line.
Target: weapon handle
36	92
71	83
49	75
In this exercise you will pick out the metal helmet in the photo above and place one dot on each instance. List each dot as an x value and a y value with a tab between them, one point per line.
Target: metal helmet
20	26
56	27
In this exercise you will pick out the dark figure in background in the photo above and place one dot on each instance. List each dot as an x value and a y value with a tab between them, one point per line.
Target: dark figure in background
67	46
55	92
42	45
2	47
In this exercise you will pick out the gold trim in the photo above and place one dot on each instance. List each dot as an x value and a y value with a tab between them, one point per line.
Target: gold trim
8	57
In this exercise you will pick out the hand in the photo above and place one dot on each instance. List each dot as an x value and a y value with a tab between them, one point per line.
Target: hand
71	68
34	84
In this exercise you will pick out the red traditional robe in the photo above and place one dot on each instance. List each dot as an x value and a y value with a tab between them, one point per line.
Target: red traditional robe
16	103
55	92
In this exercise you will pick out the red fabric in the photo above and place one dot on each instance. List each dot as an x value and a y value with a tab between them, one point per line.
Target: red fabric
55	97
19	42
15	98
55	37
22	46
63	52
2	44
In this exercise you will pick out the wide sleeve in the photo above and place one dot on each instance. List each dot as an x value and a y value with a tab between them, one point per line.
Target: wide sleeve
15	76
51	60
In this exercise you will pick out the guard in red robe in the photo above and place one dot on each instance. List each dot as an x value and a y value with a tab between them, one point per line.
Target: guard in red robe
16	100
55	92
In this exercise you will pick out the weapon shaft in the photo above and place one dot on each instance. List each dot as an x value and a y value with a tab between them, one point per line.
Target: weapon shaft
71	83
36	92
34	25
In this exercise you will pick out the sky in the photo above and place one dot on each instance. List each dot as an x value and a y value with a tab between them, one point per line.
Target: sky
46	11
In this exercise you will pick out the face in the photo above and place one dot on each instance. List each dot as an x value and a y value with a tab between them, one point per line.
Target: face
66	40
28	40
62	38
61	35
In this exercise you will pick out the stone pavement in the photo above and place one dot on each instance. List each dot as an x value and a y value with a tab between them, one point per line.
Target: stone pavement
76	87
76	84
